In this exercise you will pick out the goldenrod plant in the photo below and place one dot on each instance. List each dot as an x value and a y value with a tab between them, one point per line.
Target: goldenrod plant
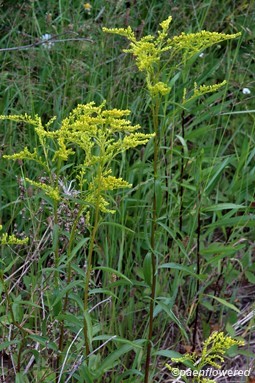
212	355
152	54
101	135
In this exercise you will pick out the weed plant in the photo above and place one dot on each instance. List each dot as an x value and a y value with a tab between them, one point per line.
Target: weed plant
92	296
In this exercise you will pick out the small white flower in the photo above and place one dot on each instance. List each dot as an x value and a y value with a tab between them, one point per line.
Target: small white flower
201	55
67	189
47	37
246	91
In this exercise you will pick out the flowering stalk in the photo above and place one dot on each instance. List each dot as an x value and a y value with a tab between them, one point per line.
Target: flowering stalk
101	135
155	112
149	52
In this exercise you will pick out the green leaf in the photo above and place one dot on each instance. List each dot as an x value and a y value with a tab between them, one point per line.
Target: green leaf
172	233
110	361
230	330
71	319
147	269
86	374
224	303
168	354
117	225
103	291
89	327
20	378
239	221
185	269
246	353
44	341
113	271
5	345
134	344
184	144
60	294
77	248
193	135
26	303
240	112
55	234
207	305
250	276
10	264
224	206
173	317
217	248
217	170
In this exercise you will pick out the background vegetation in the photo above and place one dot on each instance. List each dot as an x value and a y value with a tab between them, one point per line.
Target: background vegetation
205	194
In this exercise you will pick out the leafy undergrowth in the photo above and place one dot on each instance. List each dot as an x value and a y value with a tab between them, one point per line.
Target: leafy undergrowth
204	238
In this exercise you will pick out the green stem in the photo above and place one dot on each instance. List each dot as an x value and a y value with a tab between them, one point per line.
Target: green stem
69	274
155	111
56	226
181	176
22	345
198	273
55	243
87	277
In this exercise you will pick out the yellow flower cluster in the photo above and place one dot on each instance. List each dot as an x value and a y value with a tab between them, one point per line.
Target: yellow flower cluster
36	121
24	154
100	133
214	349
111	183
203	89
216	346
193	43
108	133
100	201
11	239
102	184
49	190
149	49
159	88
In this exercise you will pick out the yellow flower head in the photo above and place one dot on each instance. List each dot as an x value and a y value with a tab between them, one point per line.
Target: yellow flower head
149	50
49	190
12	240
192	43
101	134
87	7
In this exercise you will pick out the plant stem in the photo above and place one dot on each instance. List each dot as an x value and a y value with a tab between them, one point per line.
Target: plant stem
182	175
87	278
198	272
155	111
69	274
56	244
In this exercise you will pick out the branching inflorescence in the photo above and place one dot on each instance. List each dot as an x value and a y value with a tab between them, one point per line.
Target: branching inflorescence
101	135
